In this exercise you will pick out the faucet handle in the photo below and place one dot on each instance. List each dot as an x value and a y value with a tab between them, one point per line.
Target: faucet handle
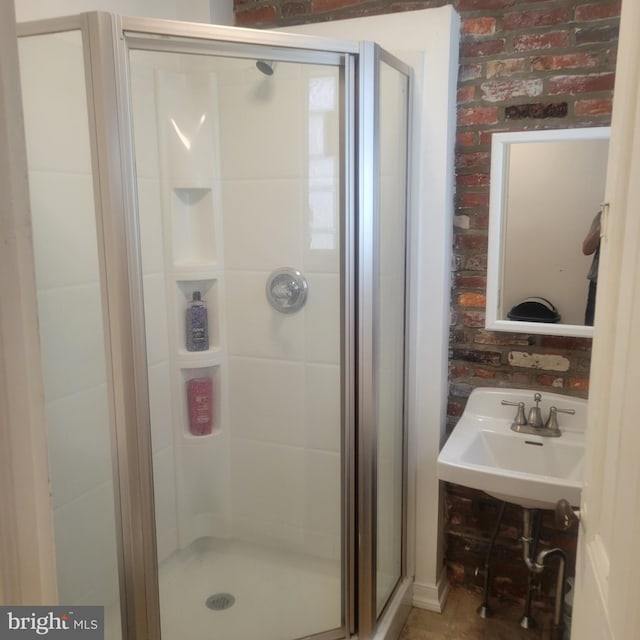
552	422
519	420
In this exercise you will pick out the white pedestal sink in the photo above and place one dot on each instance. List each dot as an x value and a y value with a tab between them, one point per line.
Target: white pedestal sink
531	470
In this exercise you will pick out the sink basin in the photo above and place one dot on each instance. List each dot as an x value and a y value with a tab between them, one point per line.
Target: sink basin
533	471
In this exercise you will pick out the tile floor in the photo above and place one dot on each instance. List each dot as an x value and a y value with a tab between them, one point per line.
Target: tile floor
459	621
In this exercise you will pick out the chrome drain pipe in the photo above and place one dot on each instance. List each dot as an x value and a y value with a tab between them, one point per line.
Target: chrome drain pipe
530	541
537	565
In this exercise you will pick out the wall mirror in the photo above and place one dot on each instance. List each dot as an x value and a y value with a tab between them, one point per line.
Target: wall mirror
546	189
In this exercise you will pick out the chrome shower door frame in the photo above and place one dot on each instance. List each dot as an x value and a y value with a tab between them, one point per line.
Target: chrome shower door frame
389	623
161	35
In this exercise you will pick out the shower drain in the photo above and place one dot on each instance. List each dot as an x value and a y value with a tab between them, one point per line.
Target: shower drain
220	601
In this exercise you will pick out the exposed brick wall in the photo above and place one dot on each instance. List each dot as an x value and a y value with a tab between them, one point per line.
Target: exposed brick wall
524	64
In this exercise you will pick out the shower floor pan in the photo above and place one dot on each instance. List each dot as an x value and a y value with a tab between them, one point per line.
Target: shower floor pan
275	595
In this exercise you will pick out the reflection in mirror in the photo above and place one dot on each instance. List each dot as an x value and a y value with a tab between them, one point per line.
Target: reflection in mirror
547	188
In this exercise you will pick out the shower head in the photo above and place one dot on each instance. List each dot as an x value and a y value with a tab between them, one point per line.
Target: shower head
265	66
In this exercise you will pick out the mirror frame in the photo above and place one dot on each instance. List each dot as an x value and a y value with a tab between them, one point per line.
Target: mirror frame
500	145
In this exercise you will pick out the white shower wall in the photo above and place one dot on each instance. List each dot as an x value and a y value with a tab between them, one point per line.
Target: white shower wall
280	157
272	470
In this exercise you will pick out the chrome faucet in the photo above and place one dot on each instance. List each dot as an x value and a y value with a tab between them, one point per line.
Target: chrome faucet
534	423
535	415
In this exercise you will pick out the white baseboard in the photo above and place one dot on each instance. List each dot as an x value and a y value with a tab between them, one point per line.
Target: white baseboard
431	596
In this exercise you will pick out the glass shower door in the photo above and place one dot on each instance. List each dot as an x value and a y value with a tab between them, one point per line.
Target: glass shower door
384	109
393	104
69	274
238	175
244	257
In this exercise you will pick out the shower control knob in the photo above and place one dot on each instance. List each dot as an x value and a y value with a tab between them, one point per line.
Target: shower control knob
286	290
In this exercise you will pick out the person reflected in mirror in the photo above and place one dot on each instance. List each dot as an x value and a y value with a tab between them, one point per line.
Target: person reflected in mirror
591	246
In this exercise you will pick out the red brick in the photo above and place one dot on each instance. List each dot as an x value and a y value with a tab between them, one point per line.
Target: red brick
585	12
566	61
486	136
518	378
291	9
581	83
501	90
579	384
476	355
257	15
466	94
471	241
470	282
501	68
459	371
608	33
473	180
484	373
483	5
601	107
398	7
534	41
318	6
469	72
455	572
466	138
483	26
472	300
477	116
481	48
550	381
454	409
536	18
565	342
472	200
480	221
476	263
472	159
473	319
501	339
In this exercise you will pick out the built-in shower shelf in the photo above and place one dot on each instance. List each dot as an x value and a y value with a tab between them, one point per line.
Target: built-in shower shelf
195	270
193	226
191	195
197	441
213	373
209	290
199	359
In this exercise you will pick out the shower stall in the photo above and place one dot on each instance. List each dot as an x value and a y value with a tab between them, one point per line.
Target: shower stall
253	486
